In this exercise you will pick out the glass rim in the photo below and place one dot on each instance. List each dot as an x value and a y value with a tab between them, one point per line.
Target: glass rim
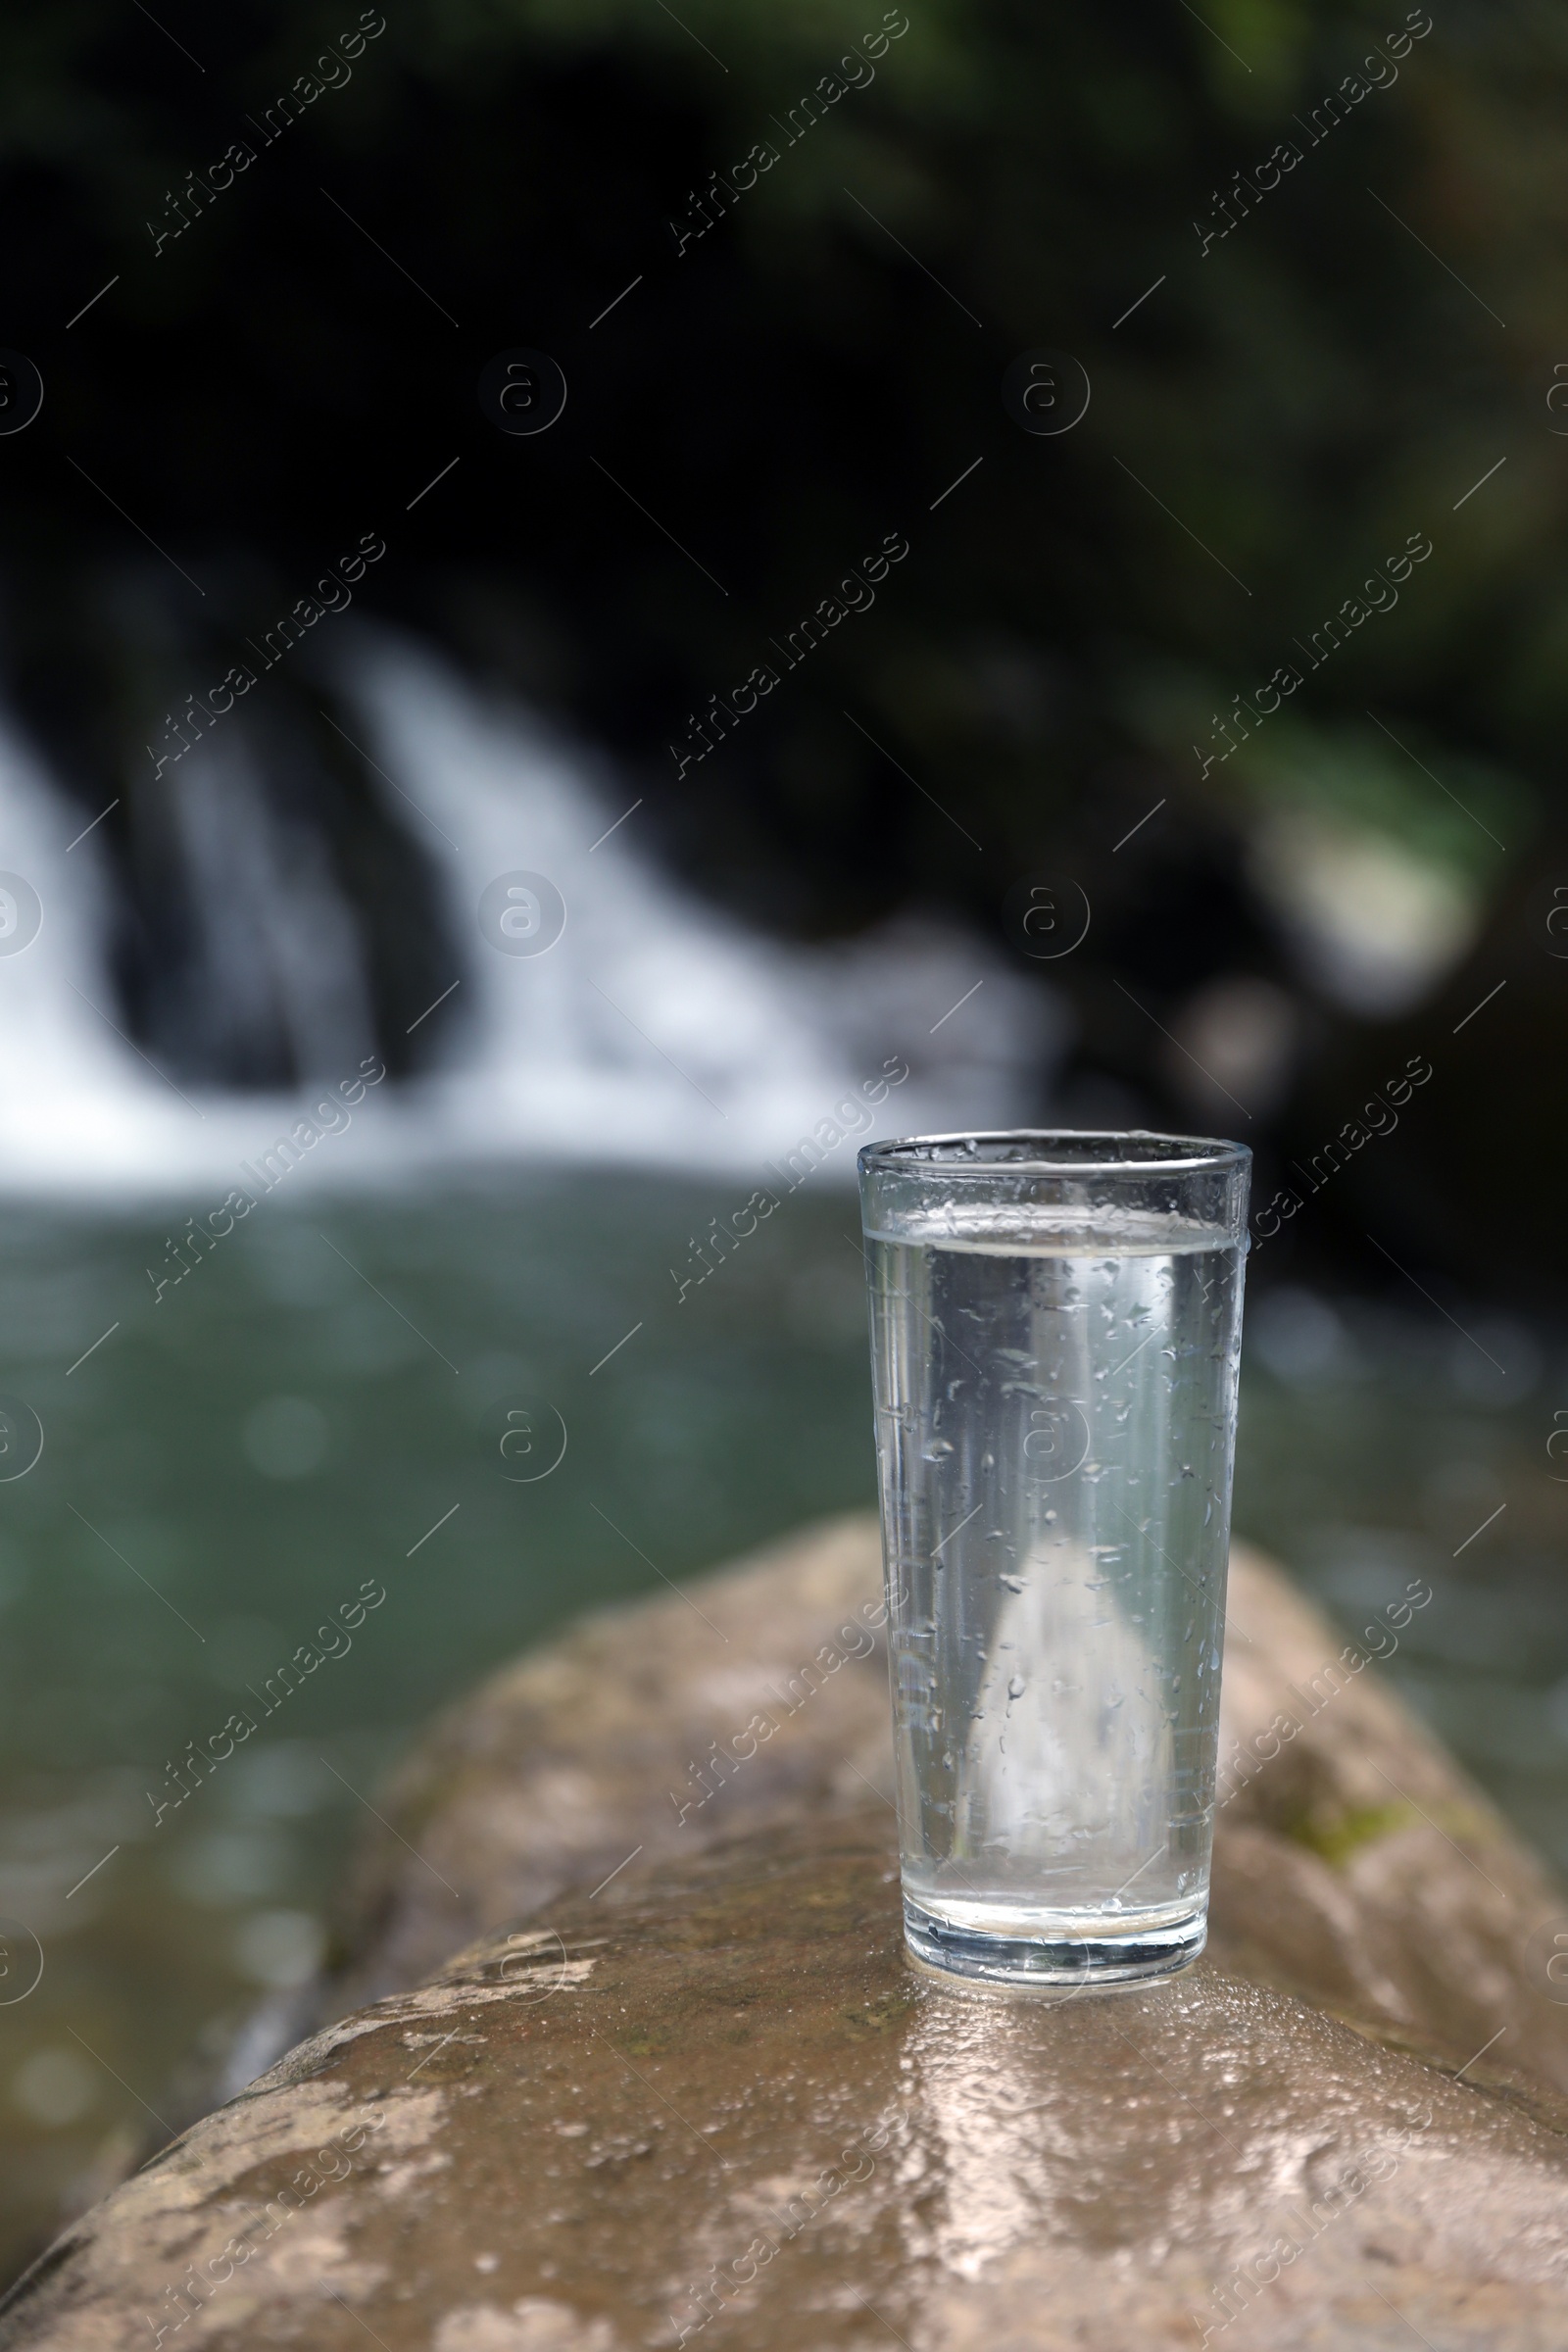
1188	1155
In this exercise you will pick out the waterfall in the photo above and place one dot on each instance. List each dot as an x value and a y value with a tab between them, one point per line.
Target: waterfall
276	945
654	1029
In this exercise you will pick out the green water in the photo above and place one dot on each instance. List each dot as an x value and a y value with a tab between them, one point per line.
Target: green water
227	1471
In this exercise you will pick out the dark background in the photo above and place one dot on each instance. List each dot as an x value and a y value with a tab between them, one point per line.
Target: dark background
1294	400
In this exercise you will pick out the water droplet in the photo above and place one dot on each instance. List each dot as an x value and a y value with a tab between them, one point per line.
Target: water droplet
1016	1686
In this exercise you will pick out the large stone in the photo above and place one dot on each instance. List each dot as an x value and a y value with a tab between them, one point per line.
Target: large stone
703	2094
562	1764
712	2103
1355	1863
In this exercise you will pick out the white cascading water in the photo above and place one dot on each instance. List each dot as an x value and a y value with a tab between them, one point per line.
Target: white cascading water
656	1032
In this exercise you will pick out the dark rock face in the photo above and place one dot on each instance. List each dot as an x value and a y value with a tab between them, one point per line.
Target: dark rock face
704	2096
715	2103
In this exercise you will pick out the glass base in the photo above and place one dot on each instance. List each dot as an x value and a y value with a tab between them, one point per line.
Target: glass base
1053	1956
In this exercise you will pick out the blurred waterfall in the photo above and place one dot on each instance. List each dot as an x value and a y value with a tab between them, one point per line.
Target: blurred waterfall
655	1030
283	982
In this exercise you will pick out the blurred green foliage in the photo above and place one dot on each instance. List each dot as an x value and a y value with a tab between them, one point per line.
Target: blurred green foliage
1301	395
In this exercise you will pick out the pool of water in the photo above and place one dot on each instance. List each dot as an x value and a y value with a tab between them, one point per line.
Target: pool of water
493	1406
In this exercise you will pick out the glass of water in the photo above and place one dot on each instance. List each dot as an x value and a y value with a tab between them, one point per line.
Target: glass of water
1055	1328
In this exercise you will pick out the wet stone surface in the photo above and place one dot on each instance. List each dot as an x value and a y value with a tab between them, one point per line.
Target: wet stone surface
718	2104
702	2096
1355	1864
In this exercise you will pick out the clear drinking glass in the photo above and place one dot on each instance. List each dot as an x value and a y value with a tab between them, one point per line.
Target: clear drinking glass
1056	1329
